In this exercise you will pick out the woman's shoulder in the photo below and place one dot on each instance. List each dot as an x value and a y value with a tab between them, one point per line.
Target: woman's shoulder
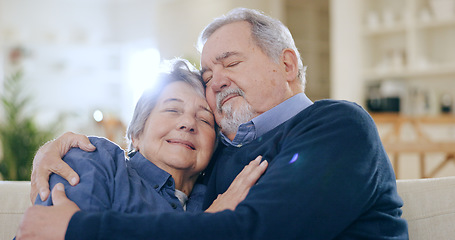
104	143
107	155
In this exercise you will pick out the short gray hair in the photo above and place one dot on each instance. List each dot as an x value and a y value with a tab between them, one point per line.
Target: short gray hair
181	71
269	34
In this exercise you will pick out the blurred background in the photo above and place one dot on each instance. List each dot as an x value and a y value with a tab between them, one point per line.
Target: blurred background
80	66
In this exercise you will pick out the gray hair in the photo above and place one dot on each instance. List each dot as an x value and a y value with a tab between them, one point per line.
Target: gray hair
181	71
269	34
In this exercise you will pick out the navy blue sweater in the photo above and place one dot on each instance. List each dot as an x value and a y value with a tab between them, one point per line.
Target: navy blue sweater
329	177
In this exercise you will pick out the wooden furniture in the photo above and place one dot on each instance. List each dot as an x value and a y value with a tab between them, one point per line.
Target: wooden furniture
407	39
422	144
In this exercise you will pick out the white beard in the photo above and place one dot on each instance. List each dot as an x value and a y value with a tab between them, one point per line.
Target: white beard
233	119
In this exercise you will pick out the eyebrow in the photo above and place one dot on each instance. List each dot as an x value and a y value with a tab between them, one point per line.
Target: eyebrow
226	55
173	100
220	58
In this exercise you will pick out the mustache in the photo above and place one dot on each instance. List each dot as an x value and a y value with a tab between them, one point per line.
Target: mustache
222	95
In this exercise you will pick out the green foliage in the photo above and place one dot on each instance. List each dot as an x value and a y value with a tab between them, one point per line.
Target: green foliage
20	137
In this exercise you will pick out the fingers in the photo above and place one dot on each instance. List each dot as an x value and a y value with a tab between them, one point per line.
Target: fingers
240	187
40	222
36	186
59	199
248	177
70	140
40	175
251	172
62	169
43	187
58	195
48	160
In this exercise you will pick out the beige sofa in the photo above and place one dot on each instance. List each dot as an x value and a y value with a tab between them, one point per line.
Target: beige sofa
429	207
14	199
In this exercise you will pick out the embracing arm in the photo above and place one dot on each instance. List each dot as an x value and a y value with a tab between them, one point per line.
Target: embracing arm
48	160
41	222
52	228
324	183
331	179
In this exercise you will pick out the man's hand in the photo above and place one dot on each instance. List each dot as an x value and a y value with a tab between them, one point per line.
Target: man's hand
240	187
48	160
40	222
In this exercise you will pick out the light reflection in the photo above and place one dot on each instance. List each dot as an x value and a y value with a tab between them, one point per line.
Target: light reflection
98	115
143	68
294	158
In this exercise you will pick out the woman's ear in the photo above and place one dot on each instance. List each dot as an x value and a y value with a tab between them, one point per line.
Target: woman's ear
290	62
135	143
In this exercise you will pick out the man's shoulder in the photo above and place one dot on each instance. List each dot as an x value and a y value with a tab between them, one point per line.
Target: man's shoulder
328	110
335	106
325	116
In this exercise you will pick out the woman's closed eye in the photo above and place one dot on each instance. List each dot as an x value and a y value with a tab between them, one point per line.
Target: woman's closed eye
208	122
172	110
206	118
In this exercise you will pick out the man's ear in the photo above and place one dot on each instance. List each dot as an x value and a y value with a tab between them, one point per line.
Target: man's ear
291	66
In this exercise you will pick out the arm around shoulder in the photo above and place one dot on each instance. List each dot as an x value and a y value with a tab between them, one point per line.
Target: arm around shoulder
48	160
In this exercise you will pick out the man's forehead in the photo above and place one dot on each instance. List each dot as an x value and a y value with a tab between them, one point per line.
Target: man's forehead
227	34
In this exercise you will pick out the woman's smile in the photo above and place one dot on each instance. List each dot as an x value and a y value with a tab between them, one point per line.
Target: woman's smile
181	142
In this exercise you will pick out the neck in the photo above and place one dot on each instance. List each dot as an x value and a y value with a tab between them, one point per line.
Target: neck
183	178
183	182
231	136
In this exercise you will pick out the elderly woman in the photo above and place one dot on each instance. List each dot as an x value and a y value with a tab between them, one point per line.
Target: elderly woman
171	139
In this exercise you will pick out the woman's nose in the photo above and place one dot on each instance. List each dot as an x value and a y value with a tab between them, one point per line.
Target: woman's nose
187	123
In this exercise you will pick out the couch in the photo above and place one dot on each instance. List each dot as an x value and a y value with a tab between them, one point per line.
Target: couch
429	207
14	200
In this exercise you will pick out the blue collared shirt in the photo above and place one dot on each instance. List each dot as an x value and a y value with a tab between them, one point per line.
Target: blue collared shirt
267	121
110	182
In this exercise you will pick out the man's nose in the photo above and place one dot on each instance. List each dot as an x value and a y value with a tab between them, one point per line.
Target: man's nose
219	80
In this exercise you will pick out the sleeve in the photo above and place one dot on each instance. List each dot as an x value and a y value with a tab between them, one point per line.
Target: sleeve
96	171
327	176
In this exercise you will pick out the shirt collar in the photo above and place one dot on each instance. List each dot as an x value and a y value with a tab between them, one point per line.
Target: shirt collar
268	120
148	171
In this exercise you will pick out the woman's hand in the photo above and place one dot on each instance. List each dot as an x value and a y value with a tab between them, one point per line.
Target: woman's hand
240	187
48	160
40	222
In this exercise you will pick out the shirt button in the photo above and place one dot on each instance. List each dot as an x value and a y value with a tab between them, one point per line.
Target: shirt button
169	183
156	186
173	205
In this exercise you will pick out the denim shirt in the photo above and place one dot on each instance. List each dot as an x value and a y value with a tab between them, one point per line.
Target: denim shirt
108	181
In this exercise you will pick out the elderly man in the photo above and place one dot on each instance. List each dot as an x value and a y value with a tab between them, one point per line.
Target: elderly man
328	176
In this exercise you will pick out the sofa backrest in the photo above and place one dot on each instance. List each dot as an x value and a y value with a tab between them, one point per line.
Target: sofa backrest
14	200
429	207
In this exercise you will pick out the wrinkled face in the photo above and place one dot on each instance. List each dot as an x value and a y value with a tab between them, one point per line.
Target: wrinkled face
240	75
180	131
